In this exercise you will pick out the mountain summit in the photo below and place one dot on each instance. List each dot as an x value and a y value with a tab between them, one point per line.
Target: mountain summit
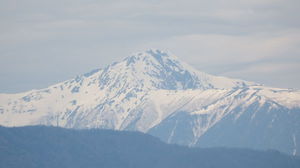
158	69
156	93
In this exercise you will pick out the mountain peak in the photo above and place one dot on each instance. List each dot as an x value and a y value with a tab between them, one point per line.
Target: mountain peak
152	52
151	55
157	69
158	54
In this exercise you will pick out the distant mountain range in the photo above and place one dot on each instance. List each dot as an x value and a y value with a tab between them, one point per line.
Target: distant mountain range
49	147
156	93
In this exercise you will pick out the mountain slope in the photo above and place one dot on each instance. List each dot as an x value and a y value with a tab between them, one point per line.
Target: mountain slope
239	118
155	92
32	147
105	97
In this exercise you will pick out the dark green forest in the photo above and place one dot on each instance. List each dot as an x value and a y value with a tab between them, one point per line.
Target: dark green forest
53	147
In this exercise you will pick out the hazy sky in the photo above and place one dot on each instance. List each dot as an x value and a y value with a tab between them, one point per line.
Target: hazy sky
43	42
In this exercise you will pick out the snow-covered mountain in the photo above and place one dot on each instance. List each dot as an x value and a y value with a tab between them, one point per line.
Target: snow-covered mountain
155	92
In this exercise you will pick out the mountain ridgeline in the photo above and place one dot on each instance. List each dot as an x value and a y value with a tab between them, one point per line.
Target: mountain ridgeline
53	147
155	92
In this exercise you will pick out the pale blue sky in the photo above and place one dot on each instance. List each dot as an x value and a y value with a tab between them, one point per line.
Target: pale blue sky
45	42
